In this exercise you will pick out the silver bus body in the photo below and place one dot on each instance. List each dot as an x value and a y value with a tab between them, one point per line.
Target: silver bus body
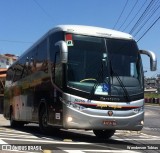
78	77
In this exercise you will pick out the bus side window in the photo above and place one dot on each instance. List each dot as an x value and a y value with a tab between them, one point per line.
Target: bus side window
9	77
23	71
15	78
54	54
14	75
18	71
58	68
40	60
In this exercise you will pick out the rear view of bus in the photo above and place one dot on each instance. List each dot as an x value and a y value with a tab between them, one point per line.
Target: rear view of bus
79	77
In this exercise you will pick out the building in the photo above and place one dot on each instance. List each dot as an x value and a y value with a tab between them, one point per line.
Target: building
5	61
152	85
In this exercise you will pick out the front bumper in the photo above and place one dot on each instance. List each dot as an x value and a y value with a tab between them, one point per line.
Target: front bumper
94	119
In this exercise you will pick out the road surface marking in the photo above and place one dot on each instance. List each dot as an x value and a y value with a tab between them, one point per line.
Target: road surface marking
2	142
128	139
103	151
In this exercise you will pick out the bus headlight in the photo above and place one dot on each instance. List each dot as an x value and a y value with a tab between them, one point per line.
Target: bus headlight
72	104
139	109
76	106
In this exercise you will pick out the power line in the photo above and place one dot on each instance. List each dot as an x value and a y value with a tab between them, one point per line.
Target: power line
16	41
129	14
154	10
149	29
141	17
44	11
120	14
135	15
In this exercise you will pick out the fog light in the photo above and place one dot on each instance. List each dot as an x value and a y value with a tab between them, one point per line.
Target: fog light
69	119
142	122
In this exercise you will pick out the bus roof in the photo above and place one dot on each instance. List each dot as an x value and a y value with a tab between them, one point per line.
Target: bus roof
92	31
84	30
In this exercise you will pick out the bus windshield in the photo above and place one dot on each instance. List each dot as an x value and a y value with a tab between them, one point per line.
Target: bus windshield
104	66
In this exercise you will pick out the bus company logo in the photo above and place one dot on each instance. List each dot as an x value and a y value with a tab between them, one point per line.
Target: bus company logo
110	113
109	99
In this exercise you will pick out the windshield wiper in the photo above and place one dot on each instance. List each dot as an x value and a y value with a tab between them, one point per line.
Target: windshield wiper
100	74
98	81
120	82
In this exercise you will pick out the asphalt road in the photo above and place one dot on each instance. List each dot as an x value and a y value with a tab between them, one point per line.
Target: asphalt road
152	120
29	138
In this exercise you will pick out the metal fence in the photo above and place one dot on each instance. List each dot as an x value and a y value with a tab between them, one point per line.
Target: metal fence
152	100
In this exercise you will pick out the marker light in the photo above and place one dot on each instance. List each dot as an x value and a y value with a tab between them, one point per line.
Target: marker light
137	110
68	37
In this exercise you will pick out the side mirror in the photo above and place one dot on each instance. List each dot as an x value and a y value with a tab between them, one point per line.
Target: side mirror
153	59
63	51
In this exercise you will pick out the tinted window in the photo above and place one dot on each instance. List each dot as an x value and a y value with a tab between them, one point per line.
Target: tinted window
38	59
53	49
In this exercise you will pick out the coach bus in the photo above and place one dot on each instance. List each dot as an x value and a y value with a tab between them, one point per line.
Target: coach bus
79	77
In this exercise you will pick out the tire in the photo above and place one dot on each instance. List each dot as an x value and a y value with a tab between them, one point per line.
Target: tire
104	134
43	121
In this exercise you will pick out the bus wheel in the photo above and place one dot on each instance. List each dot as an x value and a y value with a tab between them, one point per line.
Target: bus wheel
105	134
43	120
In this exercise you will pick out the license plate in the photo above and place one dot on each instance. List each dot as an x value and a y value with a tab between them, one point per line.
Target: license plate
112	123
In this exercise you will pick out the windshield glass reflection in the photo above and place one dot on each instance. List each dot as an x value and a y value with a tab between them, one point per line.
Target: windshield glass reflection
95	65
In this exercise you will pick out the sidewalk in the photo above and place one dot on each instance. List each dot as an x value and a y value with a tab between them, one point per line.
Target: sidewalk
3	121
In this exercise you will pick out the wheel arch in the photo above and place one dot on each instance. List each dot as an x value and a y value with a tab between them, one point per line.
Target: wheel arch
10	111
